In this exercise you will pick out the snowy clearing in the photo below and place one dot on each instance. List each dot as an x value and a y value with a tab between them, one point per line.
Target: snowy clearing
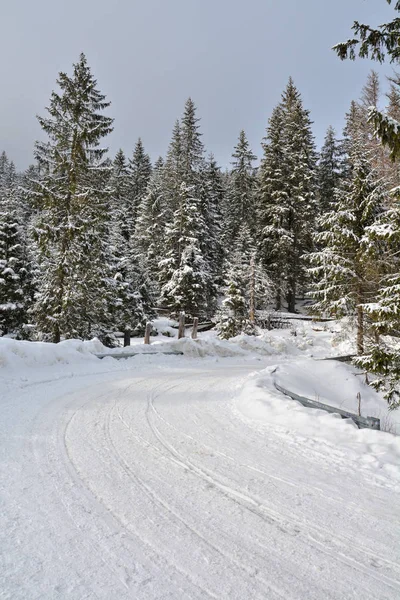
191	477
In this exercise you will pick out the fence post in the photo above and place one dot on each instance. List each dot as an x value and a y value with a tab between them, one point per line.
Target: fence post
147	333
194	330
127	338
181	331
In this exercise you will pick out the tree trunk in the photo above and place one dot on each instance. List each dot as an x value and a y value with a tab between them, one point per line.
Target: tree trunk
291	300
181	331
194	330
278	299
56	335
252	290
127	338
147	333
360	330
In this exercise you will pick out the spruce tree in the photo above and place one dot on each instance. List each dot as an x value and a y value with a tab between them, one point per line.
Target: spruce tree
192	146
242	188
15	269
183	272
211	199
347	268
120	200
151	223
233	315
382	356
139	176
73	199
287	198
330	170
186	223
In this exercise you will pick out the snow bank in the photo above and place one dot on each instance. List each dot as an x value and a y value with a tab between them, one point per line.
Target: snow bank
336	384
19	354
260	403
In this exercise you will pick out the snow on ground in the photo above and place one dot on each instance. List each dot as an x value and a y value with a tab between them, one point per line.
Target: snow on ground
180	477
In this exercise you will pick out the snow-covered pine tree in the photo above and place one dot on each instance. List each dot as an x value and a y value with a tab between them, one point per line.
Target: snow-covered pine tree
233	317
272	236
287	196
150	225
393	97
382	354
15	269
172	175
4	170
132	301
330	170
131	304
244	276
185	230
347	269
393	112
247	287
139	176
120	200
192	146
242	187
187	289
73	199
211	198
183	272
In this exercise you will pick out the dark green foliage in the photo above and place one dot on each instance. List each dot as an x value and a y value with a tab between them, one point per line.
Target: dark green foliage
330	170
373	43
73	197
139	172
242	188
15	269
287	196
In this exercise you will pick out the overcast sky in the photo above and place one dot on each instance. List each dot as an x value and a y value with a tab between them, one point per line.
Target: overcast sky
233	57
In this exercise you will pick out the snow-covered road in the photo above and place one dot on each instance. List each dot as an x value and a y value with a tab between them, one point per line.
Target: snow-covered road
150	484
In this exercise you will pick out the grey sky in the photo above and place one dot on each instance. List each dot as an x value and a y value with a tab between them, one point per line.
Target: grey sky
232	56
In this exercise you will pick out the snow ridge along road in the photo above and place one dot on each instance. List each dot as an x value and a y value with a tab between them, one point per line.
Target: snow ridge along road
151	483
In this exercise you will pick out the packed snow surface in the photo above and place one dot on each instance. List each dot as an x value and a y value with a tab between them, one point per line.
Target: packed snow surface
190	476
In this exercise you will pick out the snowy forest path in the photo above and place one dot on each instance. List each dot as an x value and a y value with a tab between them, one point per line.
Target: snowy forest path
149	484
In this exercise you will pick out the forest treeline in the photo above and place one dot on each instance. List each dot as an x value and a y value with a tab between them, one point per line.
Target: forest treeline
91	245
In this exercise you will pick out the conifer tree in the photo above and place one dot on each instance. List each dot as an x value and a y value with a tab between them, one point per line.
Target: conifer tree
139	176
381	356
233	316
15	269
185	232
172	176
149	238
211	199
184	265
330	170
73	202
393	96
347	268
120	186
192	146
287	199
242	188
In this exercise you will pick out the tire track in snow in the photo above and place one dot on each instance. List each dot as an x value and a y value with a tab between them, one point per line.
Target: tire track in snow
253	573
273	517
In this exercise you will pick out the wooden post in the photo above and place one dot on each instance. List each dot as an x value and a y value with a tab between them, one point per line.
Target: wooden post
359	403
147	333
181	331
127	338
194	330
